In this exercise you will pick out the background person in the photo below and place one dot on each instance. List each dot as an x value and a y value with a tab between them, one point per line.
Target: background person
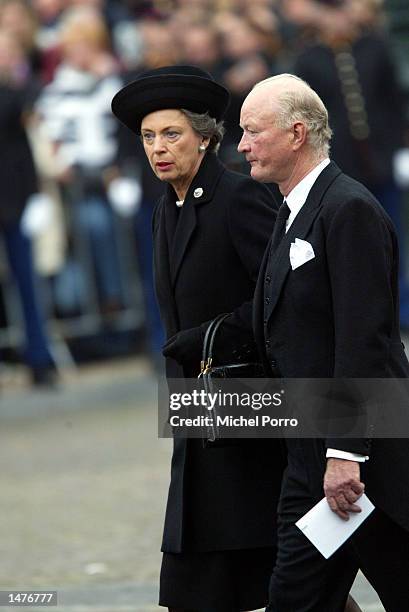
350	66
18	179
74	111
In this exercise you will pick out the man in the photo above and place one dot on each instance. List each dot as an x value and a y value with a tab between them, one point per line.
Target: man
333	316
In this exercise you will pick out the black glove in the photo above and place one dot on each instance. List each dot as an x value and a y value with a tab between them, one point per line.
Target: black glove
185	346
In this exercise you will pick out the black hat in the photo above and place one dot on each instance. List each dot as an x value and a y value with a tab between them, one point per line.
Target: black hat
169	87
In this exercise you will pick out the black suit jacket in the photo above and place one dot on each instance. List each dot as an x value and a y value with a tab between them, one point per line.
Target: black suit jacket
336	316
207	263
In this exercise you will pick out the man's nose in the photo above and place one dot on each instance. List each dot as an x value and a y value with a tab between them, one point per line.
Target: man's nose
242	147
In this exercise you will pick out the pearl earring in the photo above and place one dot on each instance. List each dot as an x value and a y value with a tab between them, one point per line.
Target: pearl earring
202	148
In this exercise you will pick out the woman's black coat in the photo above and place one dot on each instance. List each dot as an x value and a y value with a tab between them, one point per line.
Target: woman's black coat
207	262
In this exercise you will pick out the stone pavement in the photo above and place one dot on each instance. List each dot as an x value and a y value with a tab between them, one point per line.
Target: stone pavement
83	487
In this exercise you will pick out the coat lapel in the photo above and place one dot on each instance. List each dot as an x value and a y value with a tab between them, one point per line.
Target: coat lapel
183	233
162	272
200	192
280	262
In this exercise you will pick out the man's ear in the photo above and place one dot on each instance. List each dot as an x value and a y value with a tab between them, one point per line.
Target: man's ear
299	135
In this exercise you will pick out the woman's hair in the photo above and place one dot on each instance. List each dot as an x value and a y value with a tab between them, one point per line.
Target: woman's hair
207	127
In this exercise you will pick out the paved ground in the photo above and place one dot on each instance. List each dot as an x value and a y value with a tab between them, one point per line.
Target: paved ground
83	485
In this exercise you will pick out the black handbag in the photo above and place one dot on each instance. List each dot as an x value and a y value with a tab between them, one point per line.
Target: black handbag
209	372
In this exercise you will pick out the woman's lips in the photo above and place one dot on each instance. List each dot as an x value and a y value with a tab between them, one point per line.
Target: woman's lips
163	165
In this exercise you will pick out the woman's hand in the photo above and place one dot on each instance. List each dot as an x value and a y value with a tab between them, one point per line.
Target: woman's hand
185	346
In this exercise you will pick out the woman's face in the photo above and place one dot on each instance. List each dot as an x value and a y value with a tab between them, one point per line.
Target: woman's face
172	147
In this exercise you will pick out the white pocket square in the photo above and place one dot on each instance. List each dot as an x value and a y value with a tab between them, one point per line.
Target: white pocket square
301	251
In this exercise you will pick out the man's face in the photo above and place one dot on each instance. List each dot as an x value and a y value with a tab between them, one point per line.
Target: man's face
267	147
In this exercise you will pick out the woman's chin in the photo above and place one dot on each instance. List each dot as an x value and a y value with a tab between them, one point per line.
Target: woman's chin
164	175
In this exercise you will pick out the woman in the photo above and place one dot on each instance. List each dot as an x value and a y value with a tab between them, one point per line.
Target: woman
210	231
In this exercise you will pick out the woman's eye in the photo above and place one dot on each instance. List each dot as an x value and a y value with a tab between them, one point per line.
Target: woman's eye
172	135
148	137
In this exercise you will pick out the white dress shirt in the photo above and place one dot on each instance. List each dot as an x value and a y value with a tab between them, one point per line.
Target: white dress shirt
298	196
295	201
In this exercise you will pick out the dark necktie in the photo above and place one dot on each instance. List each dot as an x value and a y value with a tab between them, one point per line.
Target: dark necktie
279	226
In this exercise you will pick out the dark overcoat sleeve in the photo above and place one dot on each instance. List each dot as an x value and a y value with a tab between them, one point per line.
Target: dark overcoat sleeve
363	268
360	261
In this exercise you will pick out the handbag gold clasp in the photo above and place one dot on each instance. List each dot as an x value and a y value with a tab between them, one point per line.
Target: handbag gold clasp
206	366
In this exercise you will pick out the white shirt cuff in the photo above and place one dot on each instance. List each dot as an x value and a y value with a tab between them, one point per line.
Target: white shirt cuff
339	454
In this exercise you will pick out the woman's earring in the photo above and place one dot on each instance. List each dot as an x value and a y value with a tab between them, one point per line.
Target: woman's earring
202	148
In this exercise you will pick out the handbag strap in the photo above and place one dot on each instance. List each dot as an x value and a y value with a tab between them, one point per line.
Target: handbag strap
206	367
210	335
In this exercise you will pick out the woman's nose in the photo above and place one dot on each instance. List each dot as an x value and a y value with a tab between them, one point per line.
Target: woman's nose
159	144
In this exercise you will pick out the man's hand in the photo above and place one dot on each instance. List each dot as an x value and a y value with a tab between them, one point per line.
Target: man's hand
343	486
185	346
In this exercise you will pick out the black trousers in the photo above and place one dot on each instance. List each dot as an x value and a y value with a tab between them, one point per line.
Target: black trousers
303	580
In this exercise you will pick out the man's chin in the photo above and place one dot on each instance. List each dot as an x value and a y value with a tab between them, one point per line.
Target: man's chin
257	175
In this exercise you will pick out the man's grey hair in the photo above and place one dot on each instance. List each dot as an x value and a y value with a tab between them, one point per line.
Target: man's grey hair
303	104
207	127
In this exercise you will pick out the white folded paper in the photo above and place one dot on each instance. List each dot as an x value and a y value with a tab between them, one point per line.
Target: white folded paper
326	530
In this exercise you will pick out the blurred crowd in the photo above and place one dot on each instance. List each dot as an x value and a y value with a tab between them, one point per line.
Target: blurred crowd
76	191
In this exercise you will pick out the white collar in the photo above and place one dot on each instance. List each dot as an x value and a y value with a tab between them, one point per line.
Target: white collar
299	194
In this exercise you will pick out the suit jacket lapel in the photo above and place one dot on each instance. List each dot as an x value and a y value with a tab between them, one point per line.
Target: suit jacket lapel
200	192
280	260
258	302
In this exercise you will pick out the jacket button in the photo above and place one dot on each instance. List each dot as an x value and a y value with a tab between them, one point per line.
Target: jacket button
267	300
273	363
268	278
265	321
268	343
